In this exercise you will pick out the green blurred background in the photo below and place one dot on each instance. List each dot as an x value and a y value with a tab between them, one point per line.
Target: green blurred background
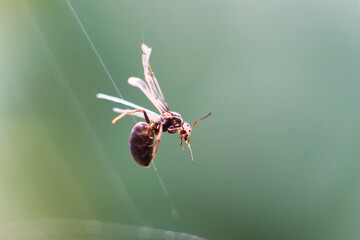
278	159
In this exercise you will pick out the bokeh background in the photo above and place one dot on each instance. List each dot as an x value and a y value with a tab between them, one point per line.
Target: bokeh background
278	159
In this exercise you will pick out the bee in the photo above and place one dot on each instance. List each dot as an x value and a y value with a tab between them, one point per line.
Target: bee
145	136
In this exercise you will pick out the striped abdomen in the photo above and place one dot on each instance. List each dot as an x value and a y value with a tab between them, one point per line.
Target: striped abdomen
141	144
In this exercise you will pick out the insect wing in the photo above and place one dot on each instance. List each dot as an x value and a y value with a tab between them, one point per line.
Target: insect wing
126	103
139	83
151	79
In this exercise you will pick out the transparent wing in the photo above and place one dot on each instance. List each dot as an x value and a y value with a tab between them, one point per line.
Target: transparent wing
152	115
138	114
150	78
139	83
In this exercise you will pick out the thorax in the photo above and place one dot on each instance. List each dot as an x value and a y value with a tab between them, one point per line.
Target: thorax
168	120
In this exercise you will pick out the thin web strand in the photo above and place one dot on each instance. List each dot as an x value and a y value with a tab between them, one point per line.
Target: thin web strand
142	21
94	49
173	210
166	192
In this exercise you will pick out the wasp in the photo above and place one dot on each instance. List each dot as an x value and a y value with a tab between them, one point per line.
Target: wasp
145	136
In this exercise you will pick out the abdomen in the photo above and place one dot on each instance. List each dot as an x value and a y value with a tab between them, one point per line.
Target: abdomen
141	144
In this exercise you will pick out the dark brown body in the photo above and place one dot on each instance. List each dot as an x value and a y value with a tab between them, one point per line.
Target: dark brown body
142	136
141	144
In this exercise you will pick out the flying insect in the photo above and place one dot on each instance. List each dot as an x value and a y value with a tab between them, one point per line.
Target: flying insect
145	136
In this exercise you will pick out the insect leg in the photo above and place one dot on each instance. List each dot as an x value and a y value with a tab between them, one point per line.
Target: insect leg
157	139
173	129
131	112
181	139
191	155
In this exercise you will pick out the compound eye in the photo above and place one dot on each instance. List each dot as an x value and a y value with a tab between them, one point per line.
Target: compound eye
186	125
